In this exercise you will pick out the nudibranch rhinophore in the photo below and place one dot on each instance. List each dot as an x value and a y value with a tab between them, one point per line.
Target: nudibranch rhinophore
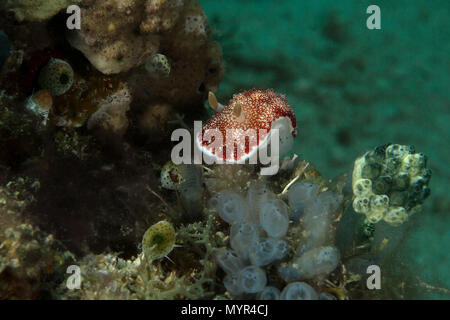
245	126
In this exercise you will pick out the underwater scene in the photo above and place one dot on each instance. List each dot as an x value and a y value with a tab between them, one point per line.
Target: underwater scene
224	150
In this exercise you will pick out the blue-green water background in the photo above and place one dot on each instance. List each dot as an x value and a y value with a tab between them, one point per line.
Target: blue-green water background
353	89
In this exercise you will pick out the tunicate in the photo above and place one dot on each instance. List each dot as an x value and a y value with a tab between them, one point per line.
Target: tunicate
274	218
257	195
288	272
269	293
231	206
158	240
298	291
243	236
317	261
231	283
281	249
229	261
299	195
395	192
326	296
398	151
318	218
252	279
362	187
263	252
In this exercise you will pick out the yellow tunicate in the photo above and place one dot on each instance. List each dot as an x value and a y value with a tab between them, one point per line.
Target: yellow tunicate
389	183
374	216
379	203
158	240
361	205
397	151
396	216
362	187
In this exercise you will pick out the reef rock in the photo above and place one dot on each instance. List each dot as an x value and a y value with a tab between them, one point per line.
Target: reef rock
131	30
37	10
113	46
133	33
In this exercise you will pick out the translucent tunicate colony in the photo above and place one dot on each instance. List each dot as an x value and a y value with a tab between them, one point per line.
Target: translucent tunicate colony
299	195
231	206
266	232
274	218
252	279
313	262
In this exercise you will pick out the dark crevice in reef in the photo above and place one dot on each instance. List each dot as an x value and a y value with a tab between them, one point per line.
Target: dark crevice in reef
93	207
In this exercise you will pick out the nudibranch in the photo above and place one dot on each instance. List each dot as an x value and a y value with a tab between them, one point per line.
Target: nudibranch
254	111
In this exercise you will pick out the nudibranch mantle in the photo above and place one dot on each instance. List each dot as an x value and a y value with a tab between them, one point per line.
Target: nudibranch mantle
256	109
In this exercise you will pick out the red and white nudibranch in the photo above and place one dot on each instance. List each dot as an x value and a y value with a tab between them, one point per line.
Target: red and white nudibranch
256	109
